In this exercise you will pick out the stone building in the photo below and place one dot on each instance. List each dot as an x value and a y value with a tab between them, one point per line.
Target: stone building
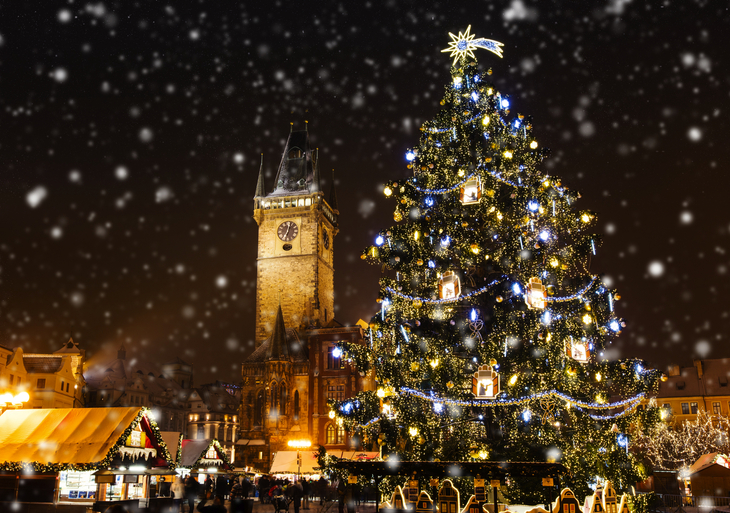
295	367
52	380
126	383
214	414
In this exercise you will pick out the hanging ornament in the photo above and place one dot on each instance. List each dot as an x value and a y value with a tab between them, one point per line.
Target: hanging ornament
471	191
578	350
485	383
548	409
535	297
449	286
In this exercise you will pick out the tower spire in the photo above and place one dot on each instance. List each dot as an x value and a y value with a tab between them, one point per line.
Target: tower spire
333	194
260	185
278	349
315	179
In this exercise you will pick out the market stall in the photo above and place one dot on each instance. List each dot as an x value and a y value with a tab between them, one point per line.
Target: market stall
710	475
203	456
49	456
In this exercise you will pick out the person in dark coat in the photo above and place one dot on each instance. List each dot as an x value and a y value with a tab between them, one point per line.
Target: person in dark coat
322	489
165	486
297	492
341	489
221	486
192	488
306	490
246	487
208	487
264	488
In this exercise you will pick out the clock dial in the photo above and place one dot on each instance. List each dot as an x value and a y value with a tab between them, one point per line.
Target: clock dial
326	239
288	230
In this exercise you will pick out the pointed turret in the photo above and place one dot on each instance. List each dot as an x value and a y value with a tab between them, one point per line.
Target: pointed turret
122	353
278	348
260	185
333	194
315	180
296	173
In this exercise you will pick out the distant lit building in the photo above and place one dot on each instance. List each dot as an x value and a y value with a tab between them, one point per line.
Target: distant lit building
214	414
703	386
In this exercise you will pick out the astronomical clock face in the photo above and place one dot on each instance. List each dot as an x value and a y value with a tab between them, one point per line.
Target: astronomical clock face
287	231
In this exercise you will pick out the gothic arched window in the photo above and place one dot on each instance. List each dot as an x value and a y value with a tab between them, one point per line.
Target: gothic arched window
296	405
258	412
274	399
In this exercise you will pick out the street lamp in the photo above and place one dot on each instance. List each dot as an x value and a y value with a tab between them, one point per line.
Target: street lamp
299	445
8	400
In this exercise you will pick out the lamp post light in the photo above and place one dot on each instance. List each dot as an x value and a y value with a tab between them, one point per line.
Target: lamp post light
8	400
299	445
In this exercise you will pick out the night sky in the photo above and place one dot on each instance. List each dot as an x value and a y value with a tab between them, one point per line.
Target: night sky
131	133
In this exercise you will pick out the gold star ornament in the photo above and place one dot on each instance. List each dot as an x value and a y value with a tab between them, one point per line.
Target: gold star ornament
464	45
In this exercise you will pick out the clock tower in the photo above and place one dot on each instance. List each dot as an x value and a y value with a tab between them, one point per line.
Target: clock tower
297	227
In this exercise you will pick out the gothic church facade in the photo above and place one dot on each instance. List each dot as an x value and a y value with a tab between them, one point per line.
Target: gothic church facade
295	368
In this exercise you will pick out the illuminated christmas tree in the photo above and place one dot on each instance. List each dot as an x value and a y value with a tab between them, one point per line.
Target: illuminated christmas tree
489	341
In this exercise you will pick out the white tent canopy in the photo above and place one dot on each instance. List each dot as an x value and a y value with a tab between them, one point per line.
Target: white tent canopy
285	462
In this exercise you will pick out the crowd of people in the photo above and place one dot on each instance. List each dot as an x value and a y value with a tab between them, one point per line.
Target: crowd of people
213	493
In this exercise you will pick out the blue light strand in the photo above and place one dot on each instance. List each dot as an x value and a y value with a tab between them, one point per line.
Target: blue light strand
443	301
443	191
574	296
507	402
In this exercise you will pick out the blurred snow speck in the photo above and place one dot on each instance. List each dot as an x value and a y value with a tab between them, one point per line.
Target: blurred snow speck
56	232
77	298
694	134
145	135
232	344
36	196
74	175
59	75
587	129
702	348
238	158
121	173
519	11
188	312
686	217
64	15
656	268
610	228
367	207
607	280
163	194
194	34
221	281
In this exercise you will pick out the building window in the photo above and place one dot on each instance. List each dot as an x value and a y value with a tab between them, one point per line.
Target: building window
334	362
296	405
667	406
41	383
258	411
685	408
716	408
335	434
336	392
61	385
274	399
201	431
693	408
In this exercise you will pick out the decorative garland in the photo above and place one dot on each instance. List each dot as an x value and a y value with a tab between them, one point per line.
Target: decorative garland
442	191
508	402
444	301
574	296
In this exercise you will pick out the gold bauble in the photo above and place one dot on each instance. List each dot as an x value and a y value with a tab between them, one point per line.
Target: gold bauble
499	299
419	262
417	303
397	217
664	377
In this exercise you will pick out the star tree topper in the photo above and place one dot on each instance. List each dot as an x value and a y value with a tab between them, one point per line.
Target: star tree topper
464	44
